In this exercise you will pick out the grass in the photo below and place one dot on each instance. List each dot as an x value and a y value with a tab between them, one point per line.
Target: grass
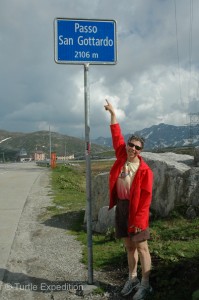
69	188
174	245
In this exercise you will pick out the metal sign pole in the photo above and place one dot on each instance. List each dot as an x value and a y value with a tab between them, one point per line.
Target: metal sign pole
85	41
88	175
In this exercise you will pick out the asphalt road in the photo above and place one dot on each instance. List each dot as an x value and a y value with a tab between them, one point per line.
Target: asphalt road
39	258
16	181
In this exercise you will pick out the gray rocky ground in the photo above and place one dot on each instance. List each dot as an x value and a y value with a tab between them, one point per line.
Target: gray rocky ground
44	261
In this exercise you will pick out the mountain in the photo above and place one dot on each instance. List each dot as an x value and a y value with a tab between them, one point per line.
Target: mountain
156	137
14	142
162	136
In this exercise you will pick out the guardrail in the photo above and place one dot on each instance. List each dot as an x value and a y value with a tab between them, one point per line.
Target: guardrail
43	163
46	163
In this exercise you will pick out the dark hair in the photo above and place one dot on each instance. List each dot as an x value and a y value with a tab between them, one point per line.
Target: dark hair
137	138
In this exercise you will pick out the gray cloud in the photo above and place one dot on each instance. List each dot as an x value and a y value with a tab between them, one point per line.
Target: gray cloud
147	86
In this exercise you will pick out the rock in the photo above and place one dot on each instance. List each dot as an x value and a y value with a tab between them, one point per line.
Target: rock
171	186
191	213
176	182
100	193
106	219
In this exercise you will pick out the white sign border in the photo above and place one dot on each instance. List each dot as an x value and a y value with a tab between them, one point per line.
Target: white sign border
84	62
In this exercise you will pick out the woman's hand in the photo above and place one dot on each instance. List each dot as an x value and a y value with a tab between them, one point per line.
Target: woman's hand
110	108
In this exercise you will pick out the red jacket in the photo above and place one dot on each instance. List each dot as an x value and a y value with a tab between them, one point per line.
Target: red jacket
141	189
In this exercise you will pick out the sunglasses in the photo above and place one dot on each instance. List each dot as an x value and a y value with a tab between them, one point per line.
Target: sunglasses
133	145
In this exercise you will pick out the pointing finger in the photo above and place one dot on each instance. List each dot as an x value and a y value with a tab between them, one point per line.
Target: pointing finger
107	101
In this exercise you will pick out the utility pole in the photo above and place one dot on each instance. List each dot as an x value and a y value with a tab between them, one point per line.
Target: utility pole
50	146
193	127
3	157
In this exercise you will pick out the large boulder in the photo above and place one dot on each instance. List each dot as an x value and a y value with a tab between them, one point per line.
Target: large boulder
175	183
105	219
171	185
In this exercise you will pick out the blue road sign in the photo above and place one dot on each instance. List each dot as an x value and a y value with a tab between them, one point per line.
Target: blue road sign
80	41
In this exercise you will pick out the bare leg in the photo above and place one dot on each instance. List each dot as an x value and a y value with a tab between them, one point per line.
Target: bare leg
132	256
145	259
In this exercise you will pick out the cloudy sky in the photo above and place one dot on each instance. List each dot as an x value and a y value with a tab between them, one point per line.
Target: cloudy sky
156	78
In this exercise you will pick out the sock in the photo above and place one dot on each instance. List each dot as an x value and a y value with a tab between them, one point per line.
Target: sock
145	282
132	276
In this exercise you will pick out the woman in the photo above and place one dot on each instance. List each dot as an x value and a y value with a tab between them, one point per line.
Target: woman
130	185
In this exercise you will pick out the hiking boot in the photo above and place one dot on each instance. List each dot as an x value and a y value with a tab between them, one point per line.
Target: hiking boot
142	292
129	286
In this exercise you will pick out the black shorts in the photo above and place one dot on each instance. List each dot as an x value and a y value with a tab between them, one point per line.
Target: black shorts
121	223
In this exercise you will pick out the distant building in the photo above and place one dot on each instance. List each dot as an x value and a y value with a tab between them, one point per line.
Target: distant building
23	152
22	156
25	159
65	157
39	155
